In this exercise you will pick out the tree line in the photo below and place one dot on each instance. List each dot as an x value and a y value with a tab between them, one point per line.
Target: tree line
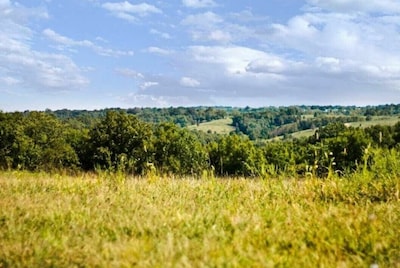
120	141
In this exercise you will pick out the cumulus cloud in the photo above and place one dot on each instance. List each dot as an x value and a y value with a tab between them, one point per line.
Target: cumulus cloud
206	19
189	82
130	73
357	39
161	34
334	51
157	50
374	6
147	100
9	80
25	67
68	42
266	65
220	36
215	28
145	85
127	11
198	3
232	59
331	51
165	90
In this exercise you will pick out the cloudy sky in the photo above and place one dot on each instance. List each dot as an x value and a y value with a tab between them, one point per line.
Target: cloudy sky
91	54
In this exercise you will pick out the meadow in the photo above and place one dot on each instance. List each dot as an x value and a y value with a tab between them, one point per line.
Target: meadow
110	220
220	126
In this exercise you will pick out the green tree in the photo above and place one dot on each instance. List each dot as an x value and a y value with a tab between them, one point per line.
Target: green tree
236	155
35	141
178	151
282	156
120	142
10	130
348	149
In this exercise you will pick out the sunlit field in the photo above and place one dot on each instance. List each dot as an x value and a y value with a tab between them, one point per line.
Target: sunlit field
114	221
220	126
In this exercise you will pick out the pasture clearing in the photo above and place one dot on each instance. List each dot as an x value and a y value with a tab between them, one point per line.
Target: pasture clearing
220	126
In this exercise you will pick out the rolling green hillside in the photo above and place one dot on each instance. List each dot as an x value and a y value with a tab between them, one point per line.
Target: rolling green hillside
224	126
220	126
376	120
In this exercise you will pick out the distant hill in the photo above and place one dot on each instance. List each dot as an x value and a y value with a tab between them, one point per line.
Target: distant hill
262	123
220	126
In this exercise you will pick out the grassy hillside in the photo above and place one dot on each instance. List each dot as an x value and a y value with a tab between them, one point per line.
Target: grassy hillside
102	221
376	120
221	126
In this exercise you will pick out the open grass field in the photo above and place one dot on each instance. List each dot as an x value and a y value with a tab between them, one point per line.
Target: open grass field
377	120
112	221
221	126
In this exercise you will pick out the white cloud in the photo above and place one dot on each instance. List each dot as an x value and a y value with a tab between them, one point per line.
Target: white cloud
39	70
356	38
127	11
342	52
346	6
266	65
68	42
220	36
198	3
189	82
206	19
233	59
157	50
130	73
161	34
19	13
147	84
216	28
9	80
331	51
146	100
328	64
25	67
143	100
232	73
223	72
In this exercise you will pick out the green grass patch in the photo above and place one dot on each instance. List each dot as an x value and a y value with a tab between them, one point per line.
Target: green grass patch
376	120
102	221
220	126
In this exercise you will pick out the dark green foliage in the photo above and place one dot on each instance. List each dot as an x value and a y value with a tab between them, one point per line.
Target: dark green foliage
338	148
381	136
136	141
178	151
259	123
265	123
236	155
119	142
180	115
281	156
35	141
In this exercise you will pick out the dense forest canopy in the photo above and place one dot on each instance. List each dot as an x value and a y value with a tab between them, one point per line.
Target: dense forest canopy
142	140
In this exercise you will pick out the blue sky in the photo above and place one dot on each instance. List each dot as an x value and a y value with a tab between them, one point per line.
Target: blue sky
92	54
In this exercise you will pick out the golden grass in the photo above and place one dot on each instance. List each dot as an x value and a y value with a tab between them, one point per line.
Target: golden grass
101	221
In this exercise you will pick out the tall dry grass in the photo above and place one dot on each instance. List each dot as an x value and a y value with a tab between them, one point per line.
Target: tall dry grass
104	221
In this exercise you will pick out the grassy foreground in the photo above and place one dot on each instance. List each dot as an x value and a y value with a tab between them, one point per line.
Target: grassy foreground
100	221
